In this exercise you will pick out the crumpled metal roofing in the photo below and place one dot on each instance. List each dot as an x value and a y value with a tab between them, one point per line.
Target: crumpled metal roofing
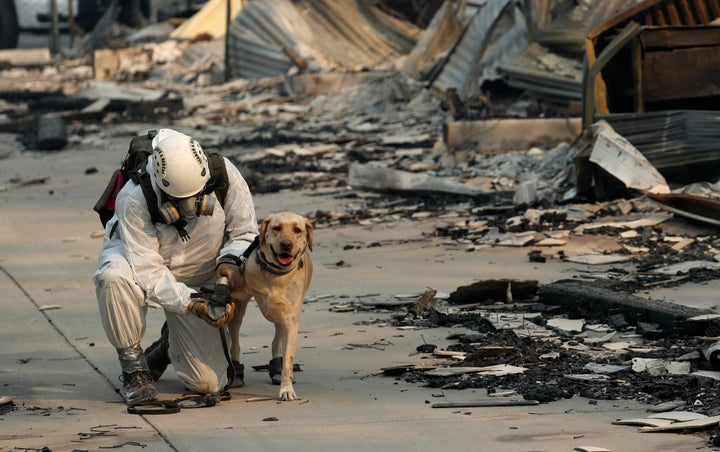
659	13
495	33
344	33
542	69
544	74
681	144
566	31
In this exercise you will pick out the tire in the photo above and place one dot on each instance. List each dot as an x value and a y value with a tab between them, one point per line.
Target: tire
9	31
88	13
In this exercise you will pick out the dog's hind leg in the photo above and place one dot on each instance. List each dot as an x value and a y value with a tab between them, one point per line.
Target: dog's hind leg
237	368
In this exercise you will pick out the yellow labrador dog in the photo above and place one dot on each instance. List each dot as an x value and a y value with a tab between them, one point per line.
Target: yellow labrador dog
277	274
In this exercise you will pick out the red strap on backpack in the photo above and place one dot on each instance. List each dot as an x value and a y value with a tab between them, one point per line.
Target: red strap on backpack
105	206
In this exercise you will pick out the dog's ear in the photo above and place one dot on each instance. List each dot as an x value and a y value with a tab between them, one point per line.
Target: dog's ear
310	234
263	229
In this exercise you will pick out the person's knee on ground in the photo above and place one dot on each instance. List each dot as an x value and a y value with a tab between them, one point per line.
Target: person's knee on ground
203	382
196	353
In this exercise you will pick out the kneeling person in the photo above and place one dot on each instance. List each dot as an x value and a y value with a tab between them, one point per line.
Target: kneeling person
164	263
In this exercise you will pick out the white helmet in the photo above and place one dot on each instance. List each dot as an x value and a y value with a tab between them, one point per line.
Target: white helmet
162	134
180	166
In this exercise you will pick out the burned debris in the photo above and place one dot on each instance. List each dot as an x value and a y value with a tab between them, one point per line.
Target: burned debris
478	114
531	349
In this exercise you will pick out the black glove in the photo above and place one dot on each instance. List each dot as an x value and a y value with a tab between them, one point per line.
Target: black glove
220	295
230	267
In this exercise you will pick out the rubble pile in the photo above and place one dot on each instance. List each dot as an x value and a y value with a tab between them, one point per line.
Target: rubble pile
541	353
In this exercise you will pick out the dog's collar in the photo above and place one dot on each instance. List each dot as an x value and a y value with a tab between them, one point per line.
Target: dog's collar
270	267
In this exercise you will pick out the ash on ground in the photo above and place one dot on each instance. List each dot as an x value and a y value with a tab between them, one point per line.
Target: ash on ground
561	365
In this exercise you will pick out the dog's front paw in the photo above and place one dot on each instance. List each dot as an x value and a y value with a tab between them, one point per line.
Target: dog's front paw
287	394
236	374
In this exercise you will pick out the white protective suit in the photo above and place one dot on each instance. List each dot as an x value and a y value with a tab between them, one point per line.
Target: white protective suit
144	263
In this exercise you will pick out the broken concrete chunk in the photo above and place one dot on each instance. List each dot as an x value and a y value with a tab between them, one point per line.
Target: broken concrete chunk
600	259
650	221
685	267
644	422
667	406
600	339
691	424
653	366
707	374
679	416
587	377
108	90
369	177
605	369
566	326
498	370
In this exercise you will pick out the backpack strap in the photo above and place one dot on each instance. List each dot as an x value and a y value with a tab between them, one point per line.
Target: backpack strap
150	196
216	162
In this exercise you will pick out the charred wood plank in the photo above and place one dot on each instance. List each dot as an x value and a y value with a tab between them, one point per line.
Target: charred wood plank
486	403
493	290
29	95
55	103
156	107
588	299
681	74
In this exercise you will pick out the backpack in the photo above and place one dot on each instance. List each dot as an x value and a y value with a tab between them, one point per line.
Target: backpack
134	168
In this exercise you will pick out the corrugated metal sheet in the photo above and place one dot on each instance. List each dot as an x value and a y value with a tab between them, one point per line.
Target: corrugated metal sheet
681	144
545	75
657	13
496	33
566	29
442	33
613	57
345	33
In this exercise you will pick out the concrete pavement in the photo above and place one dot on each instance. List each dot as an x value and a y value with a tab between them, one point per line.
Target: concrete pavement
63	374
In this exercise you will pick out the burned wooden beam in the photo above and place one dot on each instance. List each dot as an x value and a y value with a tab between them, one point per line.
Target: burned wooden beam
455	104
587	298
503	135
36	57
26	95
148	108
486	403
297	60
493	290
